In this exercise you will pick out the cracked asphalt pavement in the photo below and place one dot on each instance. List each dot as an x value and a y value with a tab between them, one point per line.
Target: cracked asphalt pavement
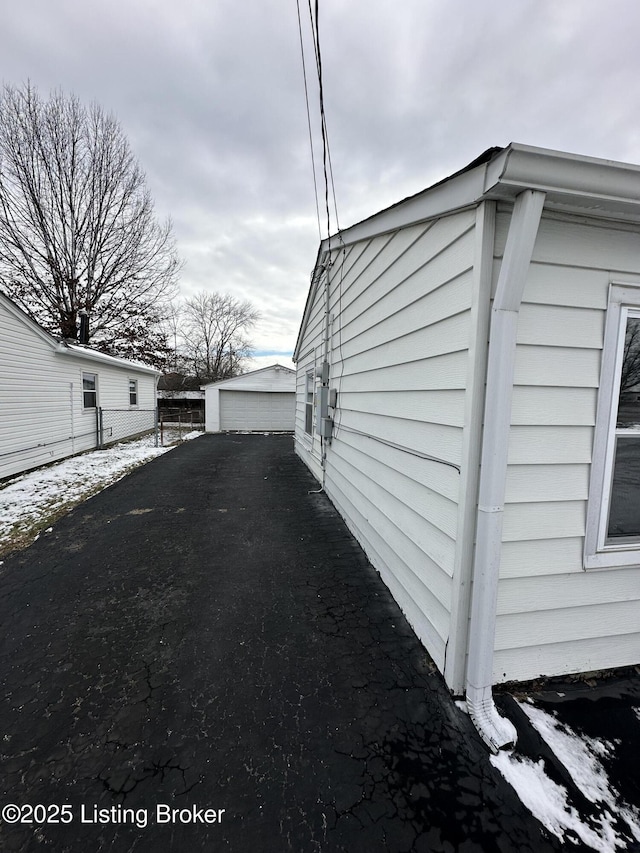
206	635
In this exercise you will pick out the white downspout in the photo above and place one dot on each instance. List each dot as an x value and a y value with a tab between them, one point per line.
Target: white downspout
497	732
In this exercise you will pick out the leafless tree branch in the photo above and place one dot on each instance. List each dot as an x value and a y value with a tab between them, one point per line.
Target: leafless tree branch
77	224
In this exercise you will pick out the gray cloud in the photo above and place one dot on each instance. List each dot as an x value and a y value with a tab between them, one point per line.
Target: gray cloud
210	95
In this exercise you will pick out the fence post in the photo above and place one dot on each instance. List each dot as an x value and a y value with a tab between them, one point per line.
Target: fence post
100	429
156	425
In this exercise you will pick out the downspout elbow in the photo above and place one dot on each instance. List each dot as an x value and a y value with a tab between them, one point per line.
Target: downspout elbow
496	731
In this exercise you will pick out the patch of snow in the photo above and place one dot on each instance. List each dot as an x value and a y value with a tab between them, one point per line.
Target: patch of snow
548	802
577	754
31	497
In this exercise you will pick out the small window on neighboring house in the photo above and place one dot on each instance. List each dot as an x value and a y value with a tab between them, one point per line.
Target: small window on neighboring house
613	518
89	390
308	404
133	392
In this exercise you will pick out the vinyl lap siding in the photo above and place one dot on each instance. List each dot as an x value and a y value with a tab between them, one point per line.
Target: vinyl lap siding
401	308
308	446
35	393
43	418
553	616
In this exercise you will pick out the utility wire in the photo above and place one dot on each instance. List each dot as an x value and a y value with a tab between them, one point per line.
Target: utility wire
306	97
326	154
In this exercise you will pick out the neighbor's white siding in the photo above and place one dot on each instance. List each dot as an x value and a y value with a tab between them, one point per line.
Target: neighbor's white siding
41	396
553	616
400	309
39	399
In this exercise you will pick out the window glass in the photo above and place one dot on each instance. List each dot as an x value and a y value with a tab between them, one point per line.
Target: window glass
624	505
308	405
133	392
89	390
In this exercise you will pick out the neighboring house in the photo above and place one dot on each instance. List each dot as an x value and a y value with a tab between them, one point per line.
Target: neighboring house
51	391
179	394
502	296
260	401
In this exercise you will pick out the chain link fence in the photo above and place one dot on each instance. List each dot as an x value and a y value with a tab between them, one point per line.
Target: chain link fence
175	422
118	424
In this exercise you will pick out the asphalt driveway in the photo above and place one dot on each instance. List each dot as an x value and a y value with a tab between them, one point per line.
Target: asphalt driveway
201	658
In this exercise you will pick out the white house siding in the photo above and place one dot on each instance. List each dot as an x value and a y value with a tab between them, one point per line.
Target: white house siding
120	419
308	445
36	392
400	309
41	395
553	616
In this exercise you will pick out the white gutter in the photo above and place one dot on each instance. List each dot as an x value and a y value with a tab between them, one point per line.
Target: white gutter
497	732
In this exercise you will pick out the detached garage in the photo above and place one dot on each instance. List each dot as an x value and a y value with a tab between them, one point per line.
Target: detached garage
260	401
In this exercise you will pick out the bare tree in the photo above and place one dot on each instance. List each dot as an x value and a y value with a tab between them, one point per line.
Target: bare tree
77	225
215	331
630	377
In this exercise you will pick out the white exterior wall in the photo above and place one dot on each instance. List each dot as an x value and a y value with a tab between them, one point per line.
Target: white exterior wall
402	320
280	380
553	616
308	446
41	395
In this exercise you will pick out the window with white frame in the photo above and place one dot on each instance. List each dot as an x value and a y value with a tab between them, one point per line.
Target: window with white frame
133	392
308	403
89	390
613	517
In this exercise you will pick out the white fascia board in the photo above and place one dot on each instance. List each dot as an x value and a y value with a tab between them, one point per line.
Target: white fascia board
26	320
573	183
565	178
103	358
311	295
453	194
457	193
72	349
233	380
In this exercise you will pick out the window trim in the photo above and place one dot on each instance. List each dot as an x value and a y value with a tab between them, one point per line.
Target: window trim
86	408
309	403
624	300
134	394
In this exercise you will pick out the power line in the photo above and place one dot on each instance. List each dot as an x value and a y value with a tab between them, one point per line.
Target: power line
326	154
306	97
329	183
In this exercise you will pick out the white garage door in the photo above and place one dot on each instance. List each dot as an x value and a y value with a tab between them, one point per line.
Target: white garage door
256	410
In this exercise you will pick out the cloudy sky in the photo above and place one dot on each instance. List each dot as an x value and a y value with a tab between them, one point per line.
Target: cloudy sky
210	94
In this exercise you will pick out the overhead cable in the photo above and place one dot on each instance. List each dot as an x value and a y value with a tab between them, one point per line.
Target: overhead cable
306	97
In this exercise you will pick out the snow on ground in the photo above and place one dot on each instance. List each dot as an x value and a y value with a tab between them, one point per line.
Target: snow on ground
30	501
549	802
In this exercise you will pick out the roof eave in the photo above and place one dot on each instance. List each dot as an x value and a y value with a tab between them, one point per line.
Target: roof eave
571	182
315	279
231	379
93	355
